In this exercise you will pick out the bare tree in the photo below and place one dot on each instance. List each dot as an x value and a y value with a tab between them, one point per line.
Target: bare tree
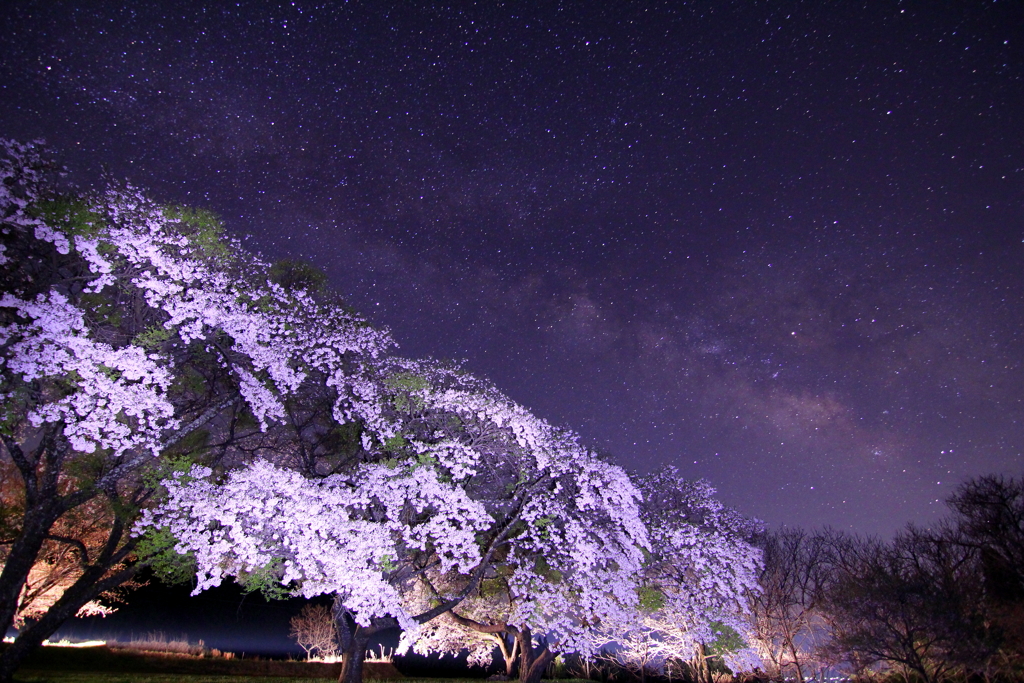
989	516
787	622
313	629
914	604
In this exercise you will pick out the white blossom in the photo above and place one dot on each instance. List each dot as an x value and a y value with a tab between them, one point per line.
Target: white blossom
337	535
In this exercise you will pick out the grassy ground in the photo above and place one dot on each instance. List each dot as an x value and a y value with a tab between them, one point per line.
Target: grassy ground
103	665
92	677
27	676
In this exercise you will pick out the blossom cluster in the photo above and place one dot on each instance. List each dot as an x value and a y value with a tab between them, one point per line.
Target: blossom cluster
111	393
703	566
340	535
125	384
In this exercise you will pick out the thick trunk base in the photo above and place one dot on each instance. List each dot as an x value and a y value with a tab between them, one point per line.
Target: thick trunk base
352	658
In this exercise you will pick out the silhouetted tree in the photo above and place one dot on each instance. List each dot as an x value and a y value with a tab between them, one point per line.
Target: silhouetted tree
989	516
914	604
788	625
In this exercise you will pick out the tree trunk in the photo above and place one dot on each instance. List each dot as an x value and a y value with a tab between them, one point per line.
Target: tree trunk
88	587
353	656
14	655
501	632
700	665
510	654
16	569
353	639
22	556
796	658
511	657
533	662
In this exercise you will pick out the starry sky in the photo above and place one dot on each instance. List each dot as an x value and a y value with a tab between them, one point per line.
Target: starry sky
777	244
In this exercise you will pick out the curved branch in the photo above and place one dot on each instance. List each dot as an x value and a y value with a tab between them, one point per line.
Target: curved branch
74	543
478	574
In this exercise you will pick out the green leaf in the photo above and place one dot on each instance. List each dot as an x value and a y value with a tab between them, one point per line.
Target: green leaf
156	549
397	445
651	599
204	229
71	215
293	274
406	384
152	337
266	580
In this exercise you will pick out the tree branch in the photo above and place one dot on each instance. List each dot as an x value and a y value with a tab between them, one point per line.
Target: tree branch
485	561
74	543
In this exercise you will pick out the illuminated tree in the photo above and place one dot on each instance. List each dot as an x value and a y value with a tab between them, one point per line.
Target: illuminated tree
313	629
696	581
135	337
454	485
691	590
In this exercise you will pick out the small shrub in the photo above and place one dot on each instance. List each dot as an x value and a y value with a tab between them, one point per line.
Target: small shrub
313	629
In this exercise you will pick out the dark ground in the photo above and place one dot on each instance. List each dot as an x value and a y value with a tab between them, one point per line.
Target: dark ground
229	620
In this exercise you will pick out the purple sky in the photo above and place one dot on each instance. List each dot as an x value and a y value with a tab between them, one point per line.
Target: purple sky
776	244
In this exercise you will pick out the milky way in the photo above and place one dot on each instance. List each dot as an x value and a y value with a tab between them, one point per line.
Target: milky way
778	245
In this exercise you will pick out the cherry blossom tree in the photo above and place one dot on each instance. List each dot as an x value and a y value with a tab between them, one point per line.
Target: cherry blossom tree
696	581
571	566
454	484
691	595
134	336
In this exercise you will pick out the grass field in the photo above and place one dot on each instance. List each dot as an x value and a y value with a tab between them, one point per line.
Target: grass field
105	665
28	676
106	677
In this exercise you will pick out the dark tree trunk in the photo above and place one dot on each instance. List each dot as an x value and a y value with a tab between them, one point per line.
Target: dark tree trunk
88	587
15	654
353	656
533	662
353	640
32	635
40	472
22	556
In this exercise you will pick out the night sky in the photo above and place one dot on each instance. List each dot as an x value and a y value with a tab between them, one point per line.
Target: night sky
777	244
